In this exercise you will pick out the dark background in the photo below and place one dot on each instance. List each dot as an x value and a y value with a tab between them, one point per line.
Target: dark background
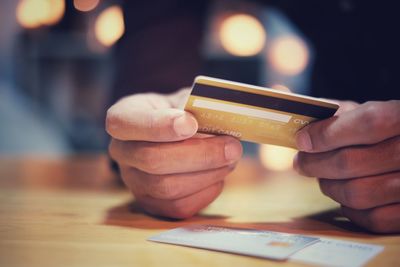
56	81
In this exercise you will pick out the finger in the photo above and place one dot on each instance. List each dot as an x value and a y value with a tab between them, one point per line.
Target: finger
351	162
345	106
158	125
384	219
181	208
364	193
179	98
191	155
172	186
370	123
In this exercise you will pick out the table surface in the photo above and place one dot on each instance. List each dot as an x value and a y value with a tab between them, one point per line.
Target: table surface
71	212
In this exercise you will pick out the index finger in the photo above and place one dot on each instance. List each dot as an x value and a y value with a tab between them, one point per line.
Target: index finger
370	123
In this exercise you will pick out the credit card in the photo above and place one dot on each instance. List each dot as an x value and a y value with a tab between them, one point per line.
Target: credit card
337	253
272	245
257	243
253	113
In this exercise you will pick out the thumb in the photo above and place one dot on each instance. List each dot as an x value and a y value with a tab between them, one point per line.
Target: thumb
369	123
156	125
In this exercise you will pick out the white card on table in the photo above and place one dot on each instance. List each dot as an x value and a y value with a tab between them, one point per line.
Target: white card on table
337	253
264	244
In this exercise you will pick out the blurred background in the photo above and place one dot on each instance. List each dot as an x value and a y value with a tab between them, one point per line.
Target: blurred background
60	65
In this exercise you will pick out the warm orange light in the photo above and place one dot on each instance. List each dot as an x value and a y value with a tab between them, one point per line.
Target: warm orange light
276	158
109	26
242	35
289	55
35	13
57	10
31	13
86	5
280	87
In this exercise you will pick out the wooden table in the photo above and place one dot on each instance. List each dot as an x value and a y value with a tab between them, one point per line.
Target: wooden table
70	212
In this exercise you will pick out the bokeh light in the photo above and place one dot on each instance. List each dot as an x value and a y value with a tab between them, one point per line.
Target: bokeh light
276	158
242	35
31	13
57	10
288	55
35	13
86	5
109	26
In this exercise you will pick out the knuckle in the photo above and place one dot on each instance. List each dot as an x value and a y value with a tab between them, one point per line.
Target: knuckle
369	113
324	186
132	182
389	114
163	187
355	196
113	150
211	152
208	157
150	159
321	142
343	162
377	116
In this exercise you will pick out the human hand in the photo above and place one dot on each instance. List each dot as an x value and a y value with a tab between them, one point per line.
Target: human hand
171	171
356	155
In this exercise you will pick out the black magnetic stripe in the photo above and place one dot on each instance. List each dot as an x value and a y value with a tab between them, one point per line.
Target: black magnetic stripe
263	101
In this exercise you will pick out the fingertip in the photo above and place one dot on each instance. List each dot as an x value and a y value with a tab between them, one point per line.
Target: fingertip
296	162
185	126
297	165
300	164
233	149
112	121
303	141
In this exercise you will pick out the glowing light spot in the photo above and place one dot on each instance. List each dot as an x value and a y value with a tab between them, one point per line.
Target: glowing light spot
31	13
109	26
276	158
57	10
242	35
86	5
35	13
288	55
280	87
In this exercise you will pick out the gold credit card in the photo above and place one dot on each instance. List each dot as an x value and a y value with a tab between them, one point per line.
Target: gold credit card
253	113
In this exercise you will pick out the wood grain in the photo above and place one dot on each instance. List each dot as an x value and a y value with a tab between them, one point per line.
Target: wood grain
70	212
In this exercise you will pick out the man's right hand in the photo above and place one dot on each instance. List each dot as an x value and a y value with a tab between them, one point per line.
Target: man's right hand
170	171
